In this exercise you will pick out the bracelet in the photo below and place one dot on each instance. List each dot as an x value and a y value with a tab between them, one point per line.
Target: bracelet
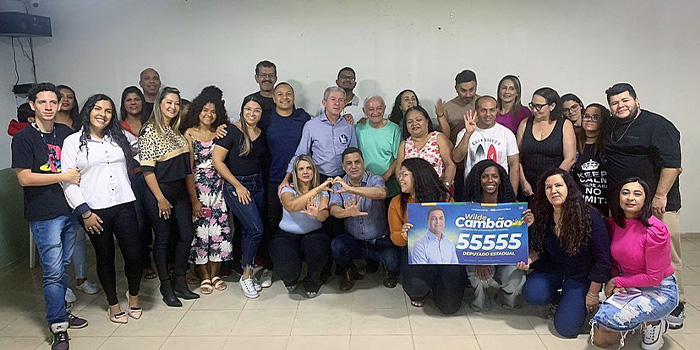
85	218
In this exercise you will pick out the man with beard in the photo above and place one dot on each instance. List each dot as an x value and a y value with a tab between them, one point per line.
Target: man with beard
640	143
150	84
266	77
454	110
483	138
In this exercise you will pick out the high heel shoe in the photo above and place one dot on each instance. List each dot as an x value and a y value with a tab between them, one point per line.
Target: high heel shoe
169	298
119	317
134	312
181	288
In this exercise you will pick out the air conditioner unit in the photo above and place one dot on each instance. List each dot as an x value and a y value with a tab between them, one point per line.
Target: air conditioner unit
18	24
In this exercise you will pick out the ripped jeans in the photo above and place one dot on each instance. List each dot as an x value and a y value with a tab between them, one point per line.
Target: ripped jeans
653	304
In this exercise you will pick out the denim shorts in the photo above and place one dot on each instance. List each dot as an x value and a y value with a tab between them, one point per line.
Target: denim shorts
653	304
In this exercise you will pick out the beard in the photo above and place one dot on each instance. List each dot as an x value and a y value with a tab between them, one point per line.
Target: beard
633	114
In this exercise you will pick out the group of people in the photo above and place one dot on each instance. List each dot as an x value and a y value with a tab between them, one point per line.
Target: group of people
332	189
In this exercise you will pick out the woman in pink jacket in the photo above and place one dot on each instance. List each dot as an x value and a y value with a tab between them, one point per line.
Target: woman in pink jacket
644	289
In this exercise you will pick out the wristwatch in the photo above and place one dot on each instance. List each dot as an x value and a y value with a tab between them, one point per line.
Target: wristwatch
447	184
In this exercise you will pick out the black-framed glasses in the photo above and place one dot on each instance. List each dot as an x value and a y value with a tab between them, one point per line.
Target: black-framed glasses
572	108
536	106
594	117
347	77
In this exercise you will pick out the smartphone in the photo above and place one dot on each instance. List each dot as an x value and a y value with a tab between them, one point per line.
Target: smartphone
206	212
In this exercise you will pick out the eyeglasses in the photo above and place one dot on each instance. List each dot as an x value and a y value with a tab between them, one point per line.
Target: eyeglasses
571	109
536	106
347	77
268	75
594	117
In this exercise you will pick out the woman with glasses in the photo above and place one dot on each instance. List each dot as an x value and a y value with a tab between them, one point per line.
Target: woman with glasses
546	140
589	170
572	107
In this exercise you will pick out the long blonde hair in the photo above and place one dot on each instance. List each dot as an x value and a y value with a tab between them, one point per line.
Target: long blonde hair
295	180
156	119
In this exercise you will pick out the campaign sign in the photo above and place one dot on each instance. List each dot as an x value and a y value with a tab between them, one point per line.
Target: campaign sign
467	233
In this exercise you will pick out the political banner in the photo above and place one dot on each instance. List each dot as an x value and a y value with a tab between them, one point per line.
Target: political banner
467	233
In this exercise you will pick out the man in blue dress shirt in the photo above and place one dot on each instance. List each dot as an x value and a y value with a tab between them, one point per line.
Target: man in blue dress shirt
434	247
358	199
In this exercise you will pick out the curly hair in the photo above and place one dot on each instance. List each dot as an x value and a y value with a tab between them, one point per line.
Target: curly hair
473	191
113	129
426	183
575	225
192	118
616	212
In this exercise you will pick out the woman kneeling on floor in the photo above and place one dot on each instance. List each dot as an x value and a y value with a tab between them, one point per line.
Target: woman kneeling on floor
644	279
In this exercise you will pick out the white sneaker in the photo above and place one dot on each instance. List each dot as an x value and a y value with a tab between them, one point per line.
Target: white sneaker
266	278
88	287
70	296
653	335
258	286
248	287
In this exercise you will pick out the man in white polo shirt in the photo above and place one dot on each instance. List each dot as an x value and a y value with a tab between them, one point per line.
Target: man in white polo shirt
483	138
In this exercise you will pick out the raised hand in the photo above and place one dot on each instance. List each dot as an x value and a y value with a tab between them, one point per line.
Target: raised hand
311	208
440	108
352	206
344	187
470	121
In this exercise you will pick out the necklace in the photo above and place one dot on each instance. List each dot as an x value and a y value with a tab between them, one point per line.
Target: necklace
612	133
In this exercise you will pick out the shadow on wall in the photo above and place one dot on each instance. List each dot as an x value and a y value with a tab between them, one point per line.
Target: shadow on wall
14	230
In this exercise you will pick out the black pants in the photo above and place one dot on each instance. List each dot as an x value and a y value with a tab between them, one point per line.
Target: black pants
459	184
273	216
181	217
121	222
289	250
447	283
138	185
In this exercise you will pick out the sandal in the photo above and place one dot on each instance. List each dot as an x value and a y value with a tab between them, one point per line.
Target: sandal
206	287
119	318
149	274
219	284
134	312
417	303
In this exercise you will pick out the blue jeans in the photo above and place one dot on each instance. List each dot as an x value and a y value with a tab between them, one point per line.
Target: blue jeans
54	239
541	289
653	304
345	247
249	214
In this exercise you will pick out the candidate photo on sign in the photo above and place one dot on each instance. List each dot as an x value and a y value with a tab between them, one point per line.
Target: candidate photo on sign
434	247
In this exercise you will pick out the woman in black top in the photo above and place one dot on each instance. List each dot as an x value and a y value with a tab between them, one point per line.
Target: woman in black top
546	140
239	158
165	163
569	250
589	171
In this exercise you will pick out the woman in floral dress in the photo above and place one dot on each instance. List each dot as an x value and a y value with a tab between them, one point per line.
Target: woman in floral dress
212	240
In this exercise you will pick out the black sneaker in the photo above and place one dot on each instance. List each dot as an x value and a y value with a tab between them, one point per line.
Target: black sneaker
76	322
675	319
59	340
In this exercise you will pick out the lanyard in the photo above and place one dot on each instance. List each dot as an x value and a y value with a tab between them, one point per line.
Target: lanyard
50	151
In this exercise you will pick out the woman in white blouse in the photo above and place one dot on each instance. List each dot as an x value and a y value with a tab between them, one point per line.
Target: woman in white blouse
104	199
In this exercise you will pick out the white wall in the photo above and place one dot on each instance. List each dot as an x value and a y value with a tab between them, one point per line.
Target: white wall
579	46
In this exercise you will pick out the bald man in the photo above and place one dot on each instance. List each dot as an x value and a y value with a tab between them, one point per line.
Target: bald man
150	84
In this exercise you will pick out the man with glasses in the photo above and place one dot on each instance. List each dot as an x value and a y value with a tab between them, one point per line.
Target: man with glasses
352	112
640	143
266	77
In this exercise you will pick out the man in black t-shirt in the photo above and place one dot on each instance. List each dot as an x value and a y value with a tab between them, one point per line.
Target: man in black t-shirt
639	143
266	77
36	158
149	80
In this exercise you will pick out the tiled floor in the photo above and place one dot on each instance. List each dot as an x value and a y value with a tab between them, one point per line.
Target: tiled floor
369	317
